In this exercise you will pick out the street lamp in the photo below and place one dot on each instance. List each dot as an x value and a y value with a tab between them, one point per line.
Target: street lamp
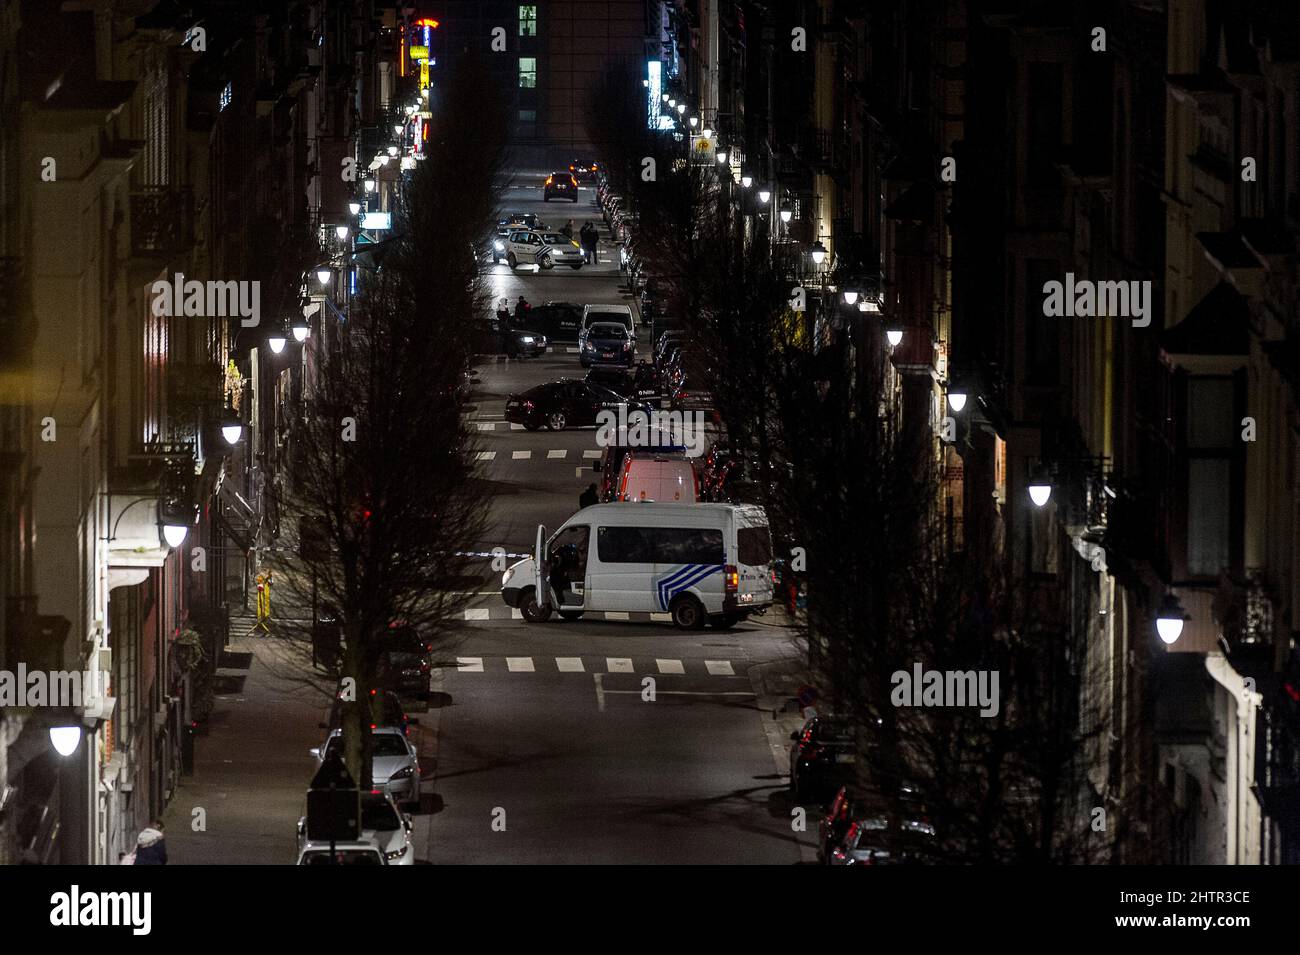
174	534
894	335
324	274
956	399
672	103
721	155
370	185
354	207
392	150
1040	487
746	180
850	296
65	739
764	196
706	133
1169	619
818	252
301	328
232	428
341	231
276	341
694	121
663	97
787	211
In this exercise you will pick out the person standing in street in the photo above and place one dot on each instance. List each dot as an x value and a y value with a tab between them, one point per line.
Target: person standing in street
590	240
588	497
151	845
567	228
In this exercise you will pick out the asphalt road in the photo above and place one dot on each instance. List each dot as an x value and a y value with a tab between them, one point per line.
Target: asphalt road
601	740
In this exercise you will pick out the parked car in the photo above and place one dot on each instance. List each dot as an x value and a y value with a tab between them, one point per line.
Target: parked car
885	839
606	343
517	343
686	559
608	313
562	185
555	321
343	853
382	824
657	475
639	381
395	766
853	802
386	710
823	757
565	404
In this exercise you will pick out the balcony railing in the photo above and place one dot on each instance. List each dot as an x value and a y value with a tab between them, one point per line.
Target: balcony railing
161	220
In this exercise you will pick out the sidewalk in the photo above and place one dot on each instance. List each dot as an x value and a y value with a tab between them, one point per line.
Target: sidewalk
253	764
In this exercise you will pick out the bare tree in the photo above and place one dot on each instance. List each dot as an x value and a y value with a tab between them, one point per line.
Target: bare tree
384	486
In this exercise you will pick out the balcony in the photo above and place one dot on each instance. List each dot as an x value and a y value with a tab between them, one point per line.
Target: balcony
161	221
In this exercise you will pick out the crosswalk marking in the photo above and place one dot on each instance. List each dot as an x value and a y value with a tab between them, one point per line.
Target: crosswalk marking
615	614
619	664
670	666
477	613
470	664
556	454
591	455
485	456
520	455
516	427
519	664
569	664
486	425
719	668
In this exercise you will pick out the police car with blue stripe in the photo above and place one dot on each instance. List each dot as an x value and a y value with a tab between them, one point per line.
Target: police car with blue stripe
701	563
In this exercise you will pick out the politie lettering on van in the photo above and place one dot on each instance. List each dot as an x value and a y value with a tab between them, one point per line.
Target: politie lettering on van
700	563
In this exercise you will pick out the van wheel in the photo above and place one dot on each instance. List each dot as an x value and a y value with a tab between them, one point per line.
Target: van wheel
687	613
724	621
572	614
528	607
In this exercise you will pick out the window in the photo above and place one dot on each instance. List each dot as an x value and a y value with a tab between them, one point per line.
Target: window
528	19
624	545
688	545
755	546
528	116
528	72
1210	438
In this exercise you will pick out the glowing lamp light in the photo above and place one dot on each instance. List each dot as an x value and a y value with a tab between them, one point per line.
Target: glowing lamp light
681	108
663	97
1170	619
354	207
65	739
722	155
341	231
232	433
850	296
174	534
818	252
398	127
764	196
392	150
956	400
787	211
706	133
672	103
370	185
894	336
323	276
694	121
746	181
301	329
1040	487
276	341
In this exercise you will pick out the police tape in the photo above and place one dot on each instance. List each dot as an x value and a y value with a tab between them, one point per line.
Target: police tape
488	555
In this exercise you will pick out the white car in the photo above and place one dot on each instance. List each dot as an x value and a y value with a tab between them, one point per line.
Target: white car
395	766
345	853
382	824
543	249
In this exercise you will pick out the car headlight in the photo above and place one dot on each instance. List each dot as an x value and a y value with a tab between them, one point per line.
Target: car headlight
499	246
527	339
396	855
404	773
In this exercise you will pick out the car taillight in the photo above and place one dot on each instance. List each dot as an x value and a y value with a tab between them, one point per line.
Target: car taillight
733	579
528	406
548	180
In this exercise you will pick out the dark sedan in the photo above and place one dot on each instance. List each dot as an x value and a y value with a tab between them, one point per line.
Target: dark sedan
823	757
606	343
639	382
565	404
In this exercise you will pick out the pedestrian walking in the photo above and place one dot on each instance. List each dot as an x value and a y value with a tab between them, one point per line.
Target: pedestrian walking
588	497
151	845
590	240
567	229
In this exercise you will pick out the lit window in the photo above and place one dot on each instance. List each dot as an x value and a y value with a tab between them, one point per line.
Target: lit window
226	95
528	20
527	72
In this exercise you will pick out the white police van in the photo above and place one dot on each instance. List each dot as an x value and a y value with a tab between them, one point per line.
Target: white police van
697	562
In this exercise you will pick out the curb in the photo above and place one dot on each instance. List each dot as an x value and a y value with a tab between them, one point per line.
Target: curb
774	684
